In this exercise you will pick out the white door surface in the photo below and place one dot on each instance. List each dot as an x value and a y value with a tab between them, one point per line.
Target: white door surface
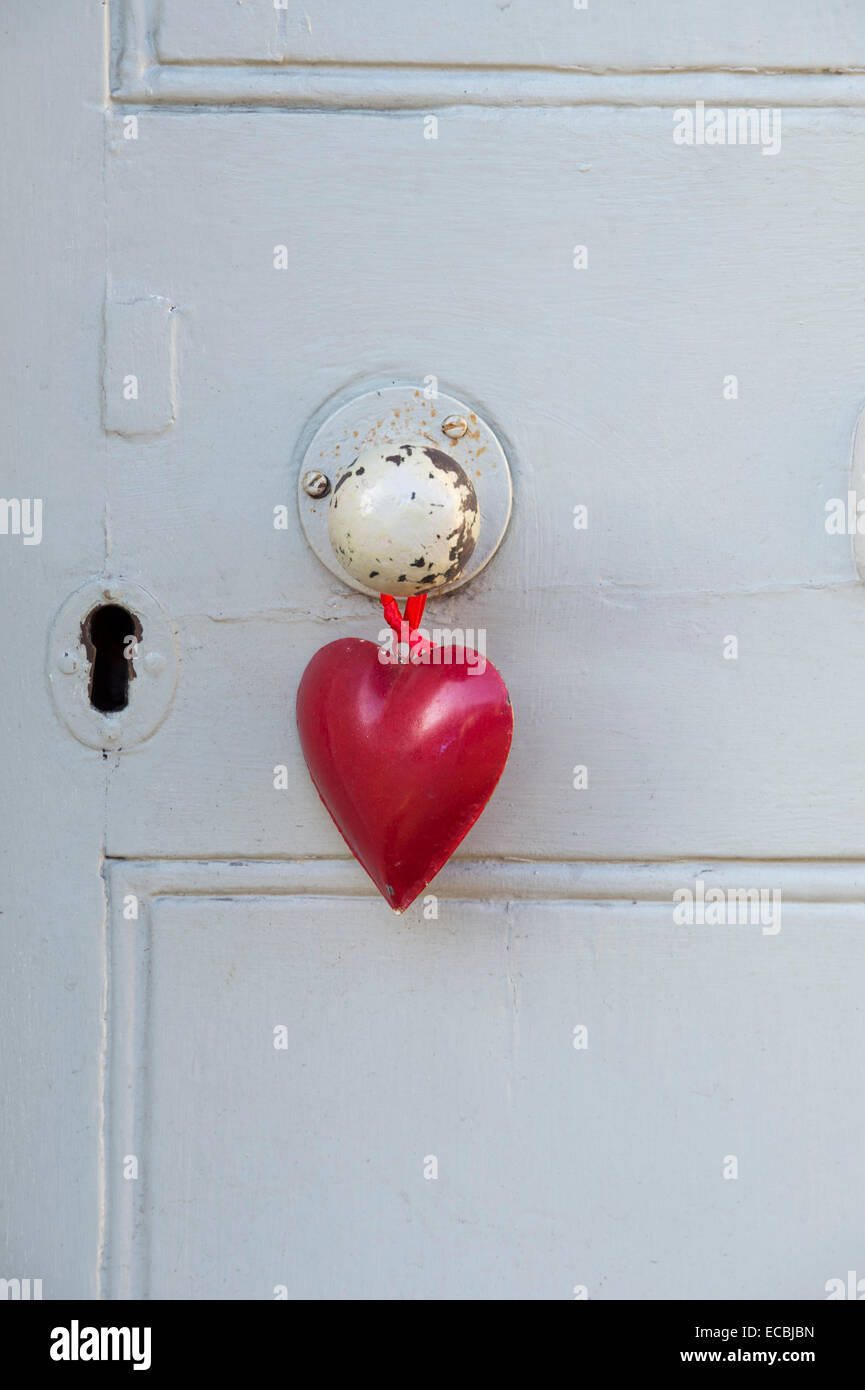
229	1069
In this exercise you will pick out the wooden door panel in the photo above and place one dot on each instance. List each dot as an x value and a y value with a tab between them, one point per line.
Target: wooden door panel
628	35
301	1167
706	514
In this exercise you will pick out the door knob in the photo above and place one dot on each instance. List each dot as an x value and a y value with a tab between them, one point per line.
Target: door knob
404	493
404	517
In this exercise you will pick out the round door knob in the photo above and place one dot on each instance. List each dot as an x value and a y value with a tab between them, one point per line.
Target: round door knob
404	518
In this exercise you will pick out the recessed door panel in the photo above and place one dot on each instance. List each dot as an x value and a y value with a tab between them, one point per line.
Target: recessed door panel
327	1102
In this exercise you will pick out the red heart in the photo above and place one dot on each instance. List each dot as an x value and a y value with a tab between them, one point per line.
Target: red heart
404	757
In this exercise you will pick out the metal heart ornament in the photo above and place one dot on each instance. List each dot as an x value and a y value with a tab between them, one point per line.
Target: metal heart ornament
404	755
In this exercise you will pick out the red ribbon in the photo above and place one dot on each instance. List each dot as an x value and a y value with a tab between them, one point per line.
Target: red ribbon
404	625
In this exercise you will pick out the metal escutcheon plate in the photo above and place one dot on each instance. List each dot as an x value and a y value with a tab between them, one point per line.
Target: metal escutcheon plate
151	692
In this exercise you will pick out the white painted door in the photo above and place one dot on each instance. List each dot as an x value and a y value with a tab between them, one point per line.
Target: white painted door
234	1073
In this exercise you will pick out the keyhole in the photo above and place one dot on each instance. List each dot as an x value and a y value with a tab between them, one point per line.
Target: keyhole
110	634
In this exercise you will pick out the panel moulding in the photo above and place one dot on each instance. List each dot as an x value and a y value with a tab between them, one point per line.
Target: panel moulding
140	77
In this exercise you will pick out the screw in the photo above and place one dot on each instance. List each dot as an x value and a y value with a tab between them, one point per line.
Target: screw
454	426
67	662
315	484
